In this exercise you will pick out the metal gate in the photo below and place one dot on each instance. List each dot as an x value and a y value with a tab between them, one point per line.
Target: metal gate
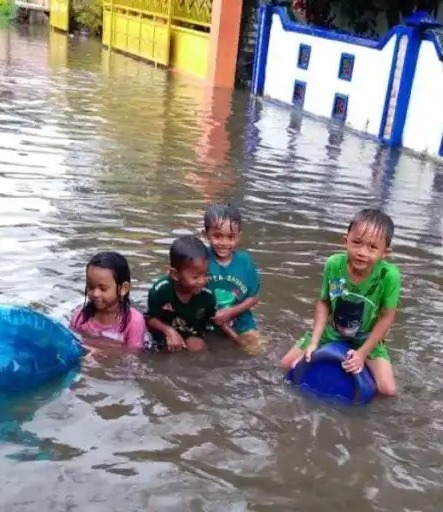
59	14
139	27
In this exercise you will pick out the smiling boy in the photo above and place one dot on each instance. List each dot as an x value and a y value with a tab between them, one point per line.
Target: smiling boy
232	275
359	297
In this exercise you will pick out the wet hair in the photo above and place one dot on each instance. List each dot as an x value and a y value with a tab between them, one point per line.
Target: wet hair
216	214
186	250
119	267
376	218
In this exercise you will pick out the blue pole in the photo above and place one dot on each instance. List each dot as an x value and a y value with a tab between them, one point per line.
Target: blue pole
405	88
414	32
261	49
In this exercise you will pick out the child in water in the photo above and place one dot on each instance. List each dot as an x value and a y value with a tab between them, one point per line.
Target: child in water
179	305
233	276
359	297
107	313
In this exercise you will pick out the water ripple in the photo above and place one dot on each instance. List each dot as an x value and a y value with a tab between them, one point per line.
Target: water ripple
113	154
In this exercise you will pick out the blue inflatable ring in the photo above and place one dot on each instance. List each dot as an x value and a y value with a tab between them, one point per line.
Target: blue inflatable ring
325	377
33	349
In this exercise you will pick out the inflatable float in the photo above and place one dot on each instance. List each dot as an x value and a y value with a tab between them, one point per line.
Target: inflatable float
34	349
324	377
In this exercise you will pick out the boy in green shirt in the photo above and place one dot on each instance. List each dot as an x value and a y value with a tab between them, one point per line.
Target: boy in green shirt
180	305
359	297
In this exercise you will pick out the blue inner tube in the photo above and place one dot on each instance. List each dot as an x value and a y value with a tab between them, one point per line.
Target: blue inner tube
325	377
34	349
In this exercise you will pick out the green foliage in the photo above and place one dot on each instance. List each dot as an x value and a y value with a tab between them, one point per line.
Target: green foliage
88	14
361	15
7	9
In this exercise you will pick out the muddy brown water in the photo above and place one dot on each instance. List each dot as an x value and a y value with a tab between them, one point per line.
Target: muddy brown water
108	153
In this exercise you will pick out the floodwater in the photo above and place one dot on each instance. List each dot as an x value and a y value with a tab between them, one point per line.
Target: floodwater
108	153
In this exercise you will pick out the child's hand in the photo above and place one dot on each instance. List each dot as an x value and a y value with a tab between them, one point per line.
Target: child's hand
308	352
174	340
223	316
306	355
94	352
354	362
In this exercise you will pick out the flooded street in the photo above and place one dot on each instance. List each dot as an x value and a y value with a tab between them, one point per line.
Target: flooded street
107	153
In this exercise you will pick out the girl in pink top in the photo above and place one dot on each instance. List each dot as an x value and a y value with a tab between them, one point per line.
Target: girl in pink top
107	312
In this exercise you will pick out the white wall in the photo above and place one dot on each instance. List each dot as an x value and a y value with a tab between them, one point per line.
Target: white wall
367	90
424	122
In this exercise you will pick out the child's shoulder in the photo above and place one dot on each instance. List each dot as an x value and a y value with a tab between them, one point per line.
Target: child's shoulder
389	270
336	260
206	292
163	283
243	257
77	311
136	315
205	298
76	316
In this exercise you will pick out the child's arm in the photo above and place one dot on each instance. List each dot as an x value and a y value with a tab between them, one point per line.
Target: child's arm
388	303
135	331
379	331
226	315
321	317
73	321
173	339
356	358
211	312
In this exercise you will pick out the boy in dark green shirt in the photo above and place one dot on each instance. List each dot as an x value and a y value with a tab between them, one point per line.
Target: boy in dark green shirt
359	296
179	305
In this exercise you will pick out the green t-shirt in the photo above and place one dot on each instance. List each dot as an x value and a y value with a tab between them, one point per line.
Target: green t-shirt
189	319
355	308
233	284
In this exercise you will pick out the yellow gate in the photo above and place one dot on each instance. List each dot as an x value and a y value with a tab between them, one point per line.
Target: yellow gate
191	22
138	27
59	14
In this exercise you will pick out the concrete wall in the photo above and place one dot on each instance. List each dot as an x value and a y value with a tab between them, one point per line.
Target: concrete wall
366	96
390	88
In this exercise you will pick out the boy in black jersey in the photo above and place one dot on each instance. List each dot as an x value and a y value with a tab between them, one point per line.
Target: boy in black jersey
180	305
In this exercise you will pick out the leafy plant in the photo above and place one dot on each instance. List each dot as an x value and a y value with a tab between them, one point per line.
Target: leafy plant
361	15
88	14
7	9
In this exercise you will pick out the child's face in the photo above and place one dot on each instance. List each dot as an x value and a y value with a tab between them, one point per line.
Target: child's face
192	278
224	237
101	288
365	244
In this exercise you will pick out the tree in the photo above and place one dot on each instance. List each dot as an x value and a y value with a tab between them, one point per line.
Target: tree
88	14
361	14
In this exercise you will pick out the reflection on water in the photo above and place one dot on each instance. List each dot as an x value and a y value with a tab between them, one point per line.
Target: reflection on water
107	153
